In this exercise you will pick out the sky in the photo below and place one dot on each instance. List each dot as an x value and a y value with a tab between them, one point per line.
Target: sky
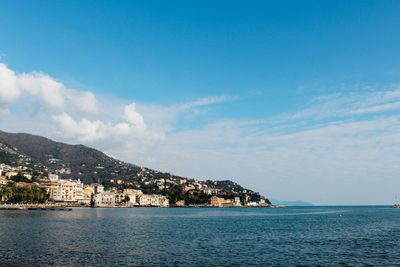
297	100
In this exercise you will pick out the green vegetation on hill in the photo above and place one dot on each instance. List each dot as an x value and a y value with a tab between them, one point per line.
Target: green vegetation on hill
20	178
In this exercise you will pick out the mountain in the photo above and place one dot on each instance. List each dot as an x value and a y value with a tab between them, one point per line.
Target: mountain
41	156
69	161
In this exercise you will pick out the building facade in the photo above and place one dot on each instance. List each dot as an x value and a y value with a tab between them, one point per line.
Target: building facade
104	199
219	201
153	200
65	190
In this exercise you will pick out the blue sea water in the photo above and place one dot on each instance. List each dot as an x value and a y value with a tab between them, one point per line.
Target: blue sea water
301	236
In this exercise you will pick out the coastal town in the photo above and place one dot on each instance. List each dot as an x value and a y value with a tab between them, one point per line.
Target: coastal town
114	193
34	169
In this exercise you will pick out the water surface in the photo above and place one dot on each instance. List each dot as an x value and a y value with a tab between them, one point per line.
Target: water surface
202	237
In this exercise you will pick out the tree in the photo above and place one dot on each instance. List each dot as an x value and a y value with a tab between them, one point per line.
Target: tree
20	178
12	193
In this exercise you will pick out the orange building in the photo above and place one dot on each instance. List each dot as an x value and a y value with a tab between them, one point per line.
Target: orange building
219	201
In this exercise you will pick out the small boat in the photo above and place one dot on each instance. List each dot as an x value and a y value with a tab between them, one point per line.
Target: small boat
397	205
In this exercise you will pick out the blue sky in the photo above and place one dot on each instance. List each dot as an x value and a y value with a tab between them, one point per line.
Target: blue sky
253	84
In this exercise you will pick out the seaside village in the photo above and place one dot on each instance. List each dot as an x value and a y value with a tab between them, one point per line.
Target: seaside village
74	193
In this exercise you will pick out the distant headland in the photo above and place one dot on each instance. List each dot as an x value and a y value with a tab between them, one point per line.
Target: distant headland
291	203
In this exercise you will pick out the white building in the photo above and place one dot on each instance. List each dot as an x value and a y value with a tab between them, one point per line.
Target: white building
237	201
133	195
98	188
153	200
132	199
11	174
53	177
132	192
211	191
27	176
104	199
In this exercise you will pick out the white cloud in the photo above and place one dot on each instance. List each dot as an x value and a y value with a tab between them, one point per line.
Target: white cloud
316	164
9	91
50	91
205	101
130	128
378	108
339	105
52	94
83	101
83	131
74	116
134	117
324	153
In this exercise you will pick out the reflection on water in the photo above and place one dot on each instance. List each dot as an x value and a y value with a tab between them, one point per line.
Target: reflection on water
201	236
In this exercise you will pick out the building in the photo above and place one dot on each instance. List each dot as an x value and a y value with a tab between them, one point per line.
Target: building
189	187
133	192
83	197
11	174
98	188
132	195
119	197
79	190
53	177
128	199
219	201
51	188
65	190
237	202
4	181
211	191
88	191
104	199
5	168
27	176
153	200
180	203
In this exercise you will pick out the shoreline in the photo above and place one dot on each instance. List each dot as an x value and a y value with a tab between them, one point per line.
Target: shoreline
62	206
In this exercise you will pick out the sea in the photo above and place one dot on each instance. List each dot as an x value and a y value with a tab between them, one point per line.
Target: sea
292	236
